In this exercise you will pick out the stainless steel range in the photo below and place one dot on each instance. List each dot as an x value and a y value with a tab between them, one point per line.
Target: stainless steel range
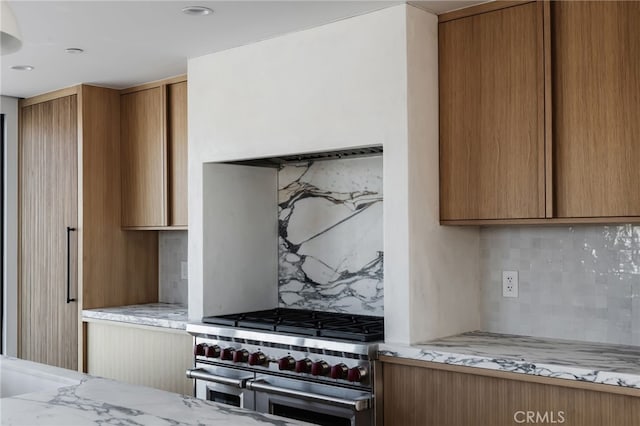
306	365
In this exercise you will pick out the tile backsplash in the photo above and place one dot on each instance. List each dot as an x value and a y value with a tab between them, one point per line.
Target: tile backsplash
578	282
330	236
172	247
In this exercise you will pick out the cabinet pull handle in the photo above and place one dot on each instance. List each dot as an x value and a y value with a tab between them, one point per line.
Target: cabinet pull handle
69	230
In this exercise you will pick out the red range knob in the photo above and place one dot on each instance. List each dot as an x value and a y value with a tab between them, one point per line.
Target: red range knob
339	371
303	366
356	374
286	363
198	349
257	358
212	351
320	368
240	356
227	354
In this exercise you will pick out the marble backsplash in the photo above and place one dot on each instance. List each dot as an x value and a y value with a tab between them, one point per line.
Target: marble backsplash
578	282
330	236
172	252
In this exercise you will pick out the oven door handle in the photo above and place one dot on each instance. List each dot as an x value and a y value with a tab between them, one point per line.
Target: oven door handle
202	374
260	385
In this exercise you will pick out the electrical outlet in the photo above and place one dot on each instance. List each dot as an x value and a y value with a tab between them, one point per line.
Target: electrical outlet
184	273
509	283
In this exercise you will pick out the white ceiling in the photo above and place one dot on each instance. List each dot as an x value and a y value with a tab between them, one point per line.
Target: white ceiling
132	42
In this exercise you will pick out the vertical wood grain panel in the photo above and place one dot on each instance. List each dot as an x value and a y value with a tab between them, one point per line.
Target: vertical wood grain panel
143	131
140	356
596	107
491	126
177	153
48	204
121	267
548	113
426	397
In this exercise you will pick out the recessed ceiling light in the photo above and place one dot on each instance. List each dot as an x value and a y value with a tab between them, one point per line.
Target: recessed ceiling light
22	68
196	10
74	50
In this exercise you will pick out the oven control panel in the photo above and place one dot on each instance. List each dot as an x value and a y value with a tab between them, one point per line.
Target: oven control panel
314	364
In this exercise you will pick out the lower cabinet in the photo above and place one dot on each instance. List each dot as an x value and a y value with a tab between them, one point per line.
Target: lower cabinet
140	355
428	394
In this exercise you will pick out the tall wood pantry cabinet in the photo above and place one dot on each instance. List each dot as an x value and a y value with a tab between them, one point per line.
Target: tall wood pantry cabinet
72	253
540	113
154	155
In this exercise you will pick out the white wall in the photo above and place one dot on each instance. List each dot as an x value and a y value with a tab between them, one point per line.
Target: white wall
367	80
9	107
444	261
240	239
335	86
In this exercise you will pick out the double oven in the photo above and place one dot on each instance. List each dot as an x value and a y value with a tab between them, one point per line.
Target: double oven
310	402
319	381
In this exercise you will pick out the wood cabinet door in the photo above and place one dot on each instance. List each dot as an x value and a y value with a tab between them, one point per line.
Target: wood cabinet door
596	108
129	353
177	153
48	204
143	141
491	69
417	396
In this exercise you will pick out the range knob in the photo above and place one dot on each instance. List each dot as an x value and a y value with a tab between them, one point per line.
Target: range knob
227	354
339	371
320	368
257	358
198	349
303	366
356	374
212	351
240	356
286	363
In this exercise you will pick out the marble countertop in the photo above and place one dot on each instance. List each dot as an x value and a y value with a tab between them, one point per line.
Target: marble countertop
616	365
94	400
165	315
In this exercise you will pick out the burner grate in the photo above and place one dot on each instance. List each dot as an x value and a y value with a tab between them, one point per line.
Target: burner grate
361	328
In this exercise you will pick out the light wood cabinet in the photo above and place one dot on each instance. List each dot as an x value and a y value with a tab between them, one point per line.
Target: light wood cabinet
48	205
428	394
492	115
154	155
177	150
69	176
596	108
140	355
541	124
143	158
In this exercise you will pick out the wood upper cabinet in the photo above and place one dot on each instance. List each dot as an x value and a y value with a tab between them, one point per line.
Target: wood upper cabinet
143	158
540	113
596	108
154	156
492	115
177	149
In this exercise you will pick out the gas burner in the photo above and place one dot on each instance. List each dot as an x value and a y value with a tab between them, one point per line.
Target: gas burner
359	328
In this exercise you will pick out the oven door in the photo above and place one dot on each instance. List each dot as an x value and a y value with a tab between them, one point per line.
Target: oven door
312	402
223	385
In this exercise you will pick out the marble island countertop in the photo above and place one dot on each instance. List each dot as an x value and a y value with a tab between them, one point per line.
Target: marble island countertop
91	400
165	315
609	364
